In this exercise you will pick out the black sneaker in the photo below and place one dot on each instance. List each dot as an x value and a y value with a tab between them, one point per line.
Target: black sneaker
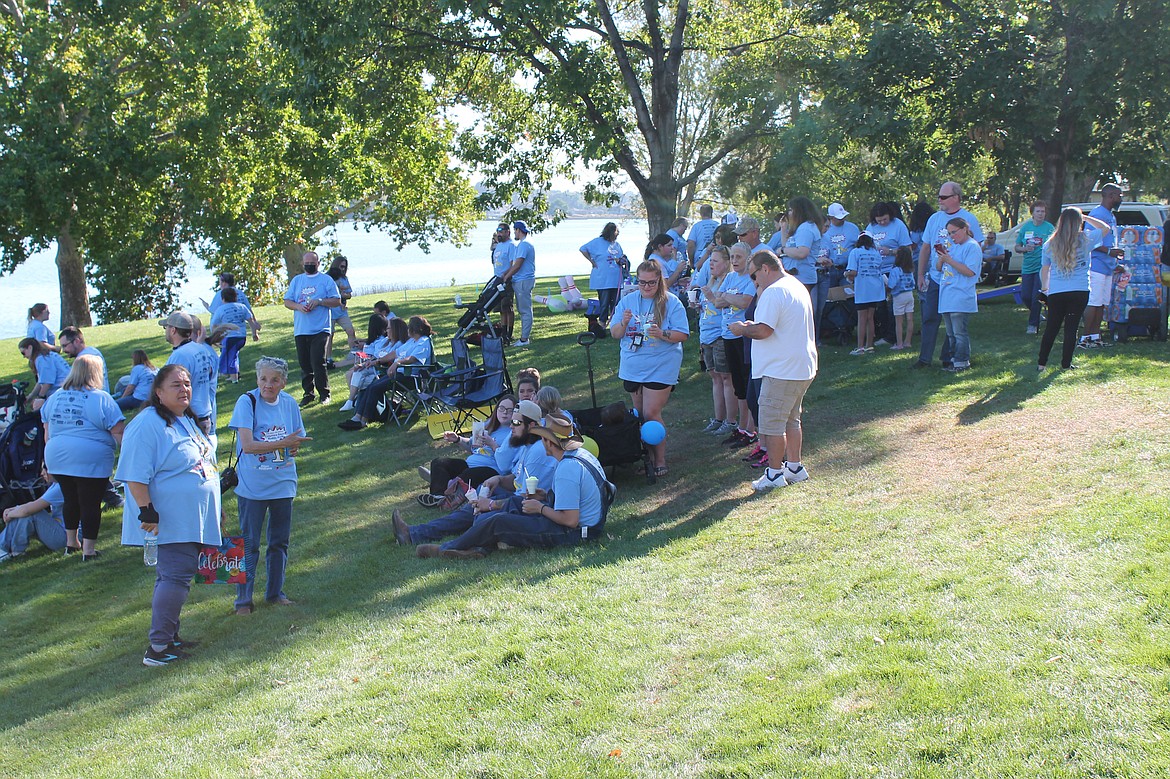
182	644
168	656
307	401
85	558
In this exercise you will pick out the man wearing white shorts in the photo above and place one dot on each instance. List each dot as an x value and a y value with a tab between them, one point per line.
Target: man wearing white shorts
784	358
1102	267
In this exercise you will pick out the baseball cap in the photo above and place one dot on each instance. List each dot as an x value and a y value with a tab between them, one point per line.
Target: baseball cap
837	211
521	225
179	319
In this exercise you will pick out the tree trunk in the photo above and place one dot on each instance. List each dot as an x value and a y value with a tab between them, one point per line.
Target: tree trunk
292	259
71	274
1054	171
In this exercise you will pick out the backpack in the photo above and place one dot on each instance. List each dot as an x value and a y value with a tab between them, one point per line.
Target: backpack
605	488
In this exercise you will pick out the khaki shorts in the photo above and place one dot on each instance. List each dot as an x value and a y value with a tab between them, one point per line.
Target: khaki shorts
780	405
904	303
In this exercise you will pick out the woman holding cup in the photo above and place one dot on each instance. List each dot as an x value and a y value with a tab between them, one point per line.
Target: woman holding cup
480	464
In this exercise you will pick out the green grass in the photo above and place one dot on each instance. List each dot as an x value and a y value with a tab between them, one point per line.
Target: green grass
972	584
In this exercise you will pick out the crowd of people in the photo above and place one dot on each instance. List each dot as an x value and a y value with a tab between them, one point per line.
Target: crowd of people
524	476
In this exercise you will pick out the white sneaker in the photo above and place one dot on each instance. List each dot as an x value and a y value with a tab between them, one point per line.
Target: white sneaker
769	482
881	342
346	406
792	477
522	343
726	428
712	426
1031	330
857	352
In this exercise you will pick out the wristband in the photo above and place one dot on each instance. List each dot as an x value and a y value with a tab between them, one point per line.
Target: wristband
147	515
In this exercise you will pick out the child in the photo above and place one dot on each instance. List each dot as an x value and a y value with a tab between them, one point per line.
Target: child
864	271
960	261
901	283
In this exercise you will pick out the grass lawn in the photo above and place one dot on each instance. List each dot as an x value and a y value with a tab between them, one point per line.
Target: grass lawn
973	583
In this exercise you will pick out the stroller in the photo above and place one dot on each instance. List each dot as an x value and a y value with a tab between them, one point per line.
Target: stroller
618	443
22	456
477	317
12	399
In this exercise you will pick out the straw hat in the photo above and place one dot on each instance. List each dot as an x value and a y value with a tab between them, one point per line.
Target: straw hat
558	429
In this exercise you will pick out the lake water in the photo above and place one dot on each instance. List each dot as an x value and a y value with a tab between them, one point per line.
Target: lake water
374	264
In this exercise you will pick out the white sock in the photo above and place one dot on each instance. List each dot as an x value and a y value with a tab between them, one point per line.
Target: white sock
774	473
795	467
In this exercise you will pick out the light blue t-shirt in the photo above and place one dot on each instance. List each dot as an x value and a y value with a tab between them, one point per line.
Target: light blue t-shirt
343	288
956	292
232	314
78	424
485	457
710	317
656	360
40	331
808	234
868	287
524	251
1077	279
607	274
105	371
574	487
839	241
936	233
217	301
202	365
502	257
736	284
680	244
1101	260
775	242
304	288
890	237
141	378
419	349
900	281
52	370
702	233
272	475
177	464
526	461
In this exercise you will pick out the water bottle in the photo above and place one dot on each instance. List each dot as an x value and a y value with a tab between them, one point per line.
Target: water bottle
150	549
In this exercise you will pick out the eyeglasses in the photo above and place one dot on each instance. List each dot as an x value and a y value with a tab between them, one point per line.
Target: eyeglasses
647	282
66	343
752	277
506	409
947	197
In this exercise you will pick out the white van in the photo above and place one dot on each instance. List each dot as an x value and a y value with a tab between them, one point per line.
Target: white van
1128	213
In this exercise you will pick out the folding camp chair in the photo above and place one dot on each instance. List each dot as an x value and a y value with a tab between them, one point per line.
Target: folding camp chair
462	395
404	397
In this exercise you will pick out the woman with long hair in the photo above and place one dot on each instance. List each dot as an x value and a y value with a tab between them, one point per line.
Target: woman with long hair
340	315
802	247
652	326
168	467
37	316
82	426
710	345
138	385
416	351
1064	278
480	463
49	368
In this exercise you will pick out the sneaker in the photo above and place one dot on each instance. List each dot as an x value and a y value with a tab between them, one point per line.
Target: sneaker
182	644
869	350
769	482
346	406
762	462
737	438
428	500
522	343
326	400
72	550
881	342
1089	344
307	401
897	348
918	365
724	428
168	656
712	426
755	454
351	424
424	473
857	352
85	558
1031	330
792	477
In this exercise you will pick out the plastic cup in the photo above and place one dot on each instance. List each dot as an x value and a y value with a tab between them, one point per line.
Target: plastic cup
530	484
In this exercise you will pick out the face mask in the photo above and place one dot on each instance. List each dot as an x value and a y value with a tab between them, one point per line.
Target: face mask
310	268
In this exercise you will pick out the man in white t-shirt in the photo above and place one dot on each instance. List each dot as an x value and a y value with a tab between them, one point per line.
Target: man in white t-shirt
784	357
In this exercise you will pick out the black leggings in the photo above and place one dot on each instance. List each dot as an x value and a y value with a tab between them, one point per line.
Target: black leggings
733	348
83	503
1066	307
444	469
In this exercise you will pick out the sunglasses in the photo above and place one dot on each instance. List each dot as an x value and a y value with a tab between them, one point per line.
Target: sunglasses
947	197
520	422
752	277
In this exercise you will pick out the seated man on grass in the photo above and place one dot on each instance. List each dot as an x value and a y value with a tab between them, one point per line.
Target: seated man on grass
573	513
522	457
41	519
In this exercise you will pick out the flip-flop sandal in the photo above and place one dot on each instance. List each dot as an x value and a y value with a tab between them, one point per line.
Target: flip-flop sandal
660	470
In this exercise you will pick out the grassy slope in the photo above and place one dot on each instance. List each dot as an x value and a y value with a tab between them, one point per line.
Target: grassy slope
973	584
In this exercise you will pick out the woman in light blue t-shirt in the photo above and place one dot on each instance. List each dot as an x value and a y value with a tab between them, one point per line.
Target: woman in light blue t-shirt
1064	279
138	385
48	367
605	255
652	325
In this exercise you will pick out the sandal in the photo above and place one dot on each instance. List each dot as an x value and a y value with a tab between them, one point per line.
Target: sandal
660	470
242	611
429	500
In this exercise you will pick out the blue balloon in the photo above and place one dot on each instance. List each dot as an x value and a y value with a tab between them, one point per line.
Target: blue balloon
653	432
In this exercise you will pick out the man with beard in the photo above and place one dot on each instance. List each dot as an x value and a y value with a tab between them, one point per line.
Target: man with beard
523	457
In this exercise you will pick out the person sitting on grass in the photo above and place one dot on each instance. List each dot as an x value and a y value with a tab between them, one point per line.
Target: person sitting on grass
522	458
527	384
42	518
486	437
416	351
573	513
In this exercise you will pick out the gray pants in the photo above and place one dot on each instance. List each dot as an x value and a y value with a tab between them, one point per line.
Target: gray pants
523	288
177	564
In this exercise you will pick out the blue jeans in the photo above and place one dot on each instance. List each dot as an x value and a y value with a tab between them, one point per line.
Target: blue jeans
18	533
931	319
519	530
279	511
958	341
128	402
229	358
458	521
607	300
820	296
1030	292
176	568
523	289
